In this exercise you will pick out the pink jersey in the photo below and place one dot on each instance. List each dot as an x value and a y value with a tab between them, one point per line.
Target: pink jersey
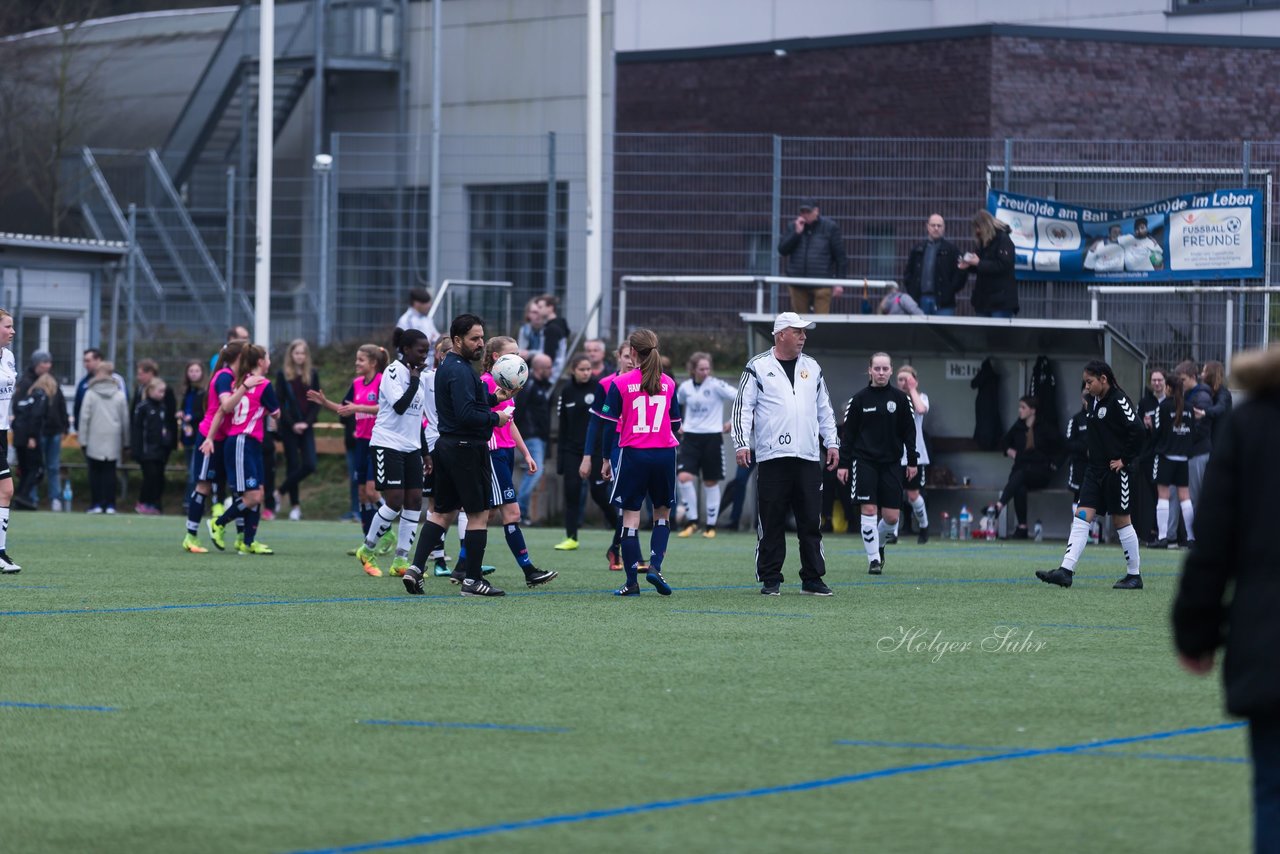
365	394
225	378
644	420
250	413
502	437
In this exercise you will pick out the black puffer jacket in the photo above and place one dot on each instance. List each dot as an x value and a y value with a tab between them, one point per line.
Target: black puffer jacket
995	288
1234	548
815	253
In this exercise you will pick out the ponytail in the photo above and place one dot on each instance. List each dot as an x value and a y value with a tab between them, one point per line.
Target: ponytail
377	355
644	347
1179	398
403	339
1100	368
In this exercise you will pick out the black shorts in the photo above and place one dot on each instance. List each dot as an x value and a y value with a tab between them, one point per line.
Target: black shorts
1171	472
394	469
5	473
1109	493
917	482
876	483
702	454
464	475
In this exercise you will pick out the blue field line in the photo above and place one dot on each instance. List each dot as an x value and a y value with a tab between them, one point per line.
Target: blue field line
743	613
461	725
718	797
1099	628
57	707
973	748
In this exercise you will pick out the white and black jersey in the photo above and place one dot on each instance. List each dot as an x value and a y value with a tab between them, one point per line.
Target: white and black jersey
8	379
431	426
879	427
703	404
1115	430
922	453
400	408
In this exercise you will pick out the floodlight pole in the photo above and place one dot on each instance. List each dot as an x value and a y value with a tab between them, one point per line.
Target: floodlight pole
266	127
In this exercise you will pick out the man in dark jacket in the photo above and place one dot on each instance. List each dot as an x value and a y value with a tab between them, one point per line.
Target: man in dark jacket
55	427
932	276
814	250
1229	593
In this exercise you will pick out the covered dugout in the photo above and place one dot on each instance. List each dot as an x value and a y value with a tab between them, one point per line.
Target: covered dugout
946	353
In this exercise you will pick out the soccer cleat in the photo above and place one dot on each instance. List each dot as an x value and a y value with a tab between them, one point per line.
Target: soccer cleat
568	544
7	564
890	539
655	578
387	544
295	514
882	560
191	544
368	561
875	568
688	530
398	566
254	548
441	569
352	552
628	590
412	579
480	587
216	532
923	536
1060	576
770	590
1019	533
642	566
534	576
1131	581
615	559
709	534
816	588
458	575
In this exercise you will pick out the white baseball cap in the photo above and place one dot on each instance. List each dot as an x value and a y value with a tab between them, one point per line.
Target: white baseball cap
790	318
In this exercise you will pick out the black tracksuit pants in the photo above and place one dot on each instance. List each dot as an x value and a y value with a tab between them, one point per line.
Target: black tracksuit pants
784	485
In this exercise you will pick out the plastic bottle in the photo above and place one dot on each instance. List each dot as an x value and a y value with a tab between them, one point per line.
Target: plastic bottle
66	494
948	526
1038	531
965	522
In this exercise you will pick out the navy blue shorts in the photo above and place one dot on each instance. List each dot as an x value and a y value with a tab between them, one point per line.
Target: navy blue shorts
644	473
211	467
502	487
244	456
362	471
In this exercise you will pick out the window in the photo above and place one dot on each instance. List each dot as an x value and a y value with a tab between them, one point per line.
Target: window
379	255
509	236
1222	5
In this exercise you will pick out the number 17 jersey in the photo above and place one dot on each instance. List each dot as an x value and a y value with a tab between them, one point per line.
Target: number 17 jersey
644	420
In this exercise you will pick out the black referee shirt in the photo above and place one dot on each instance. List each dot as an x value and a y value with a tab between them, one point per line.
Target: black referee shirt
464	407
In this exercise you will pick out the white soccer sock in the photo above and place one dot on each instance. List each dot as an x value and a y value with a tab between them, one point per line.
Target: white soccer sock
408	531
4	528
711	496
1188	516
1129	542
1075	543
1162	518
462	527
689	500
918	510
870	541
382	522
884	529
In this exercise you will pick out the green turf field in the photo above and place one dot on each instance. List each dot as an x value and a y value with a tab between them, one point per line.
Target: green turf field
157	701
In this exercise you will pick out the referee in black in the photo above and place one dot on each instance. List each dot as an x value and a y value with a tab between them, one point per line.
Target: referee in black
460	460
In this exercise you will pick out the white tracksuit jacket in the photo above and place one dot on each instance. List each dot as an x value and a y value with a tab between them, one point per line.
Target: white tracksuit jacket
774	419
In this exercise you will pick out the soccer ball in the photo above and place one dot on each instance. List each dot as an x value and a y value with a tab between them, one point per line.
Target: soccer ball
510	372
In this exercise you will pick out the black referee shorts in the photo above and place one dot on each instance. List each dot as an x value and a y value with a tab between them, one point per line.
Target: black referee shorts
463	475
1107	492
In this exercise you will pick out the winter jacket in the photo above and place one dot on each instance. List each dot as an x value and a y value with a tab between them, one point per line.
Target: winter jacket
1044	388
292	408
1217	412
986	407
1046	450
104	421
948	278
1200	397
817	252
30	415
995	288
1234	548
533	410
152	435
56	422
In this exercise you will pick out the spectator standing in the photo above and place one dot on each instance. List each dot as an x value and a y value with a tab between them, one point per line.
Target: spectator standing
995	290
533	420
55	426
814	250
296	377
194	396
1145	506
416	316
31	413
1229	592
235	333
144	374
781	411
153	441
1214	376
91	359
104	436
529	338
555	334
933	273
596	355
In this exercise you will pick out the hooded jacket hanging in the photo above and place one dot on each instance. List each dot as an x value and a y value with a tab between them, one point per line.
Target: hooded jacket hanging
986	407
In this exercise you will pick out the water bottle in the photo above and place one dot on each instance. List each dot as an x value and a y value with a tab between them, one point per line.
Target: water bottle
948	526
66	494
965	521
1038	531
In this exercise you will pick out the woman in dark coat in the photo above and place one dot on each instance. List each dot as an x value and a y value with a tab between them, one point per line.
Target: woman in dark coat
995	290
1034	446
1229	593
